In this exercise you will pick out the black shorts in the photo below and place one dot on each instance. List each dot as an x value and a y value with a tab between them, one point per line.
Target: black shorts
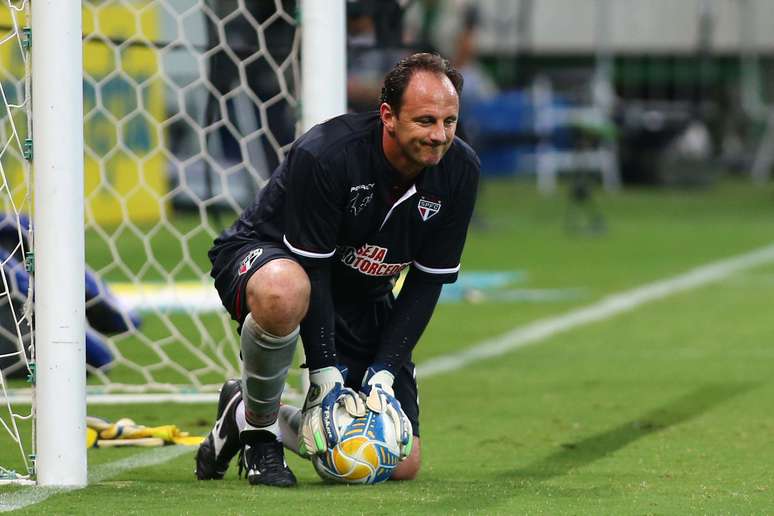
233	266
358	324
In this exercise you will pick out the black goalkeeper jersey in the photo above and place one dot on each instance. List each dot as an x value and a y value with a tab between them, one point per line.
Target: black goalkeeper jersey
331	200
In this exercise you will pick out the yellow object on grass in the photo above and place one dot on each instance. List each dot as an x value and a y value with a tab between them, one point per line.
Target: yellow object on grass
91	437
125	432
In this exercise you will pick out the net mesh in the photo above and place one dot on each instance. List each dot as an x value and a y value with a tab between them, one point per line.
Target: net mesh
188	107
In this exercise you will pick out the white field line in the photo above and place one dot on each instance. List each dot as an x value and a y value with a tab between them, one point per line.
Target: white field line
24	397
517	338
27	496
604	309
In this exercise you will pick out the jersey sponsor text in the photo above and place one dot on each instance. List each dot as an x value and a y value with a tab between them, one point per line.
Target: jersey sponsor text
369	260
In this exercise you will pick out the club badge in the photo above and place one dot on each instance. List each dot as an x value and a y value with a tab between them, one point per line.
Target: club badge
428	208
249	260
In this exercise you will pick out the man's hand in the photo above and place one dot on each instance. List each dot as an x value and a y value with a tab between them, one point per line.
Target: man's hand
380	398
377	385
352	403
318	430
325	385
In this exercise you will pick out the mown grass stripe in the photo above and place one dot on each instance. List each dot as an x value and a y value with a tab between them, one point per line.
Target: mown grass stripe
605	309
35	494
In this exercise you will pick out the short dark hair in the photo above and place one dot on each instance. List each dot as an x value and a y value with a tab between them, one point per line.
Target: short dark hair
397	79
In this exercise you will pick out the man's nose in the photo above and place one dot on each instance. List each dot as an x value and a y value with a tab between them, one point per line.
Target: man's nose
438	133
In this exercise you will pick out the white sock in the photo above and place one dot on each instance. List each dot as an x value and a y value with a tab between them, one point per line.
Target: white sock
241	421
243	424
289	422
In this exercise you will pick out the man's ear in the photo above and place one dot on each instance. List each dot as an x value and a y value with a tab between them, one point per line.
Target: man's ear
388	118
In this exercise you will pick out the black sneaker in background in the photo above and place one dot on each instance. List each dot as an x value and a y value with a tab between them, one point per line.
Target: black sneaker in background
222	443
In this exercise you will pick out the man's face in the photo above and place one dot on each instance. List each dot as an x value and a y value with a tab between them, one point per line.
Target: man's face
424	129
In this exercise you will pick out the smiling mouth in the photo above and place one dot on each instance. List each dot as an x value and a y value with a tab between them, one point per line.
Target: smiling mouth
435	155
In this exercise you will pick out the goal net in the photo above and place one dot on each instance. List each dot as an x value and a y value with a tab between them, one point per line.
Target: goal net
188	107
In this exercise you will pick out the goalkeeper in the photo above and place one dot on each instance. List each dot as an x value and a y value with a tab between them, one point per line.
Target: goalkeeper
357	199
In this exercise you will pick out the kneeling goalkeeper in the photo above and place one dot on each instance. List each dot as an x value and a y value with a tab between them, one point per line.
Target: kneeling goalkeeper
358	199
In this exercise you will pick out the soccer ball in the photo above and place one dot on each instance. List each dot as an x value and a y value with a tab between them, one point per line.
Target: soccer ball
368	449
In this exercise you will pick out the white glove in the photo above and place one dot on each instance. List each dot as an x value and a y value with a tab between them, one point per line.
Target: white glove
376	385
318	430
353	405
380	397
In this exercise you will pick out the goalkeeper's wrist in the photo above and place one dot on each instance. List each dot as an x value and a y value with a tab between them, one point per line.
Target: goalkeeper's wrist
322	381
327	375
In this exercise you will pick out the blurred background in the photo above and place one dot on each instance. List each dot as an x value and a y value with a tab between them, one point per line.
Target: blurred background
191	104
627	92
657	93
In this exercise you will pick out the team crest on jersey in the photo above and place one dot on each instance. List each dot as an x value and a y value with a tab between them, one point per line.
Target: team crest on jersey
428	208
249	260
360	197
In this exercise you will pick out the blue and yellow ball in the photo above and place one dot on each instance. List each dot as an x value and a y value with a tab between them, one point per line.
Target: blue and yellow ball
367	452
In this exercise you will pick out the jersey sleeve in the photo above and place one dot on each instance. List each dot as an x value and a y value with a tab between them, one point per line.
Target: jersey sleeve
313	210
439	258
410	315
318	328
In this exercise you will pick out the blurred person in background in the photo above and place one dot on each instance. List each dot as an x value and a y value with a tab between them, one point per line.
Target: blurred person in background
450	27
374	44
243	42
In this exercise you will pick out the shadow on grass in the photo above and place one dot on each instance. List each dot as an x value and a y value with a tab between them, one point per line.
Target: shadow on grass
575	455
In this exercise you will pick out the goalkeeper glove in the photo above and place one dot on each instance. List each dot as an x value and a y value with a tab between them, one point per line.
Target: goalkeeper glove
376	386
380	398
318	429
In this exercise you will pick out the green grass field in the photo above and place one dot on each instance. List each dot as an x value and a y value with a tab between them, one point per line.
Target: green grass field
660	410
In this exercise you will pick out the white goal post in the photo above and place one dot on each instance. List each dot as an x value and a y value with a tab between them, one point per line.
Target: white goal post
151	122
57	121
324	54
